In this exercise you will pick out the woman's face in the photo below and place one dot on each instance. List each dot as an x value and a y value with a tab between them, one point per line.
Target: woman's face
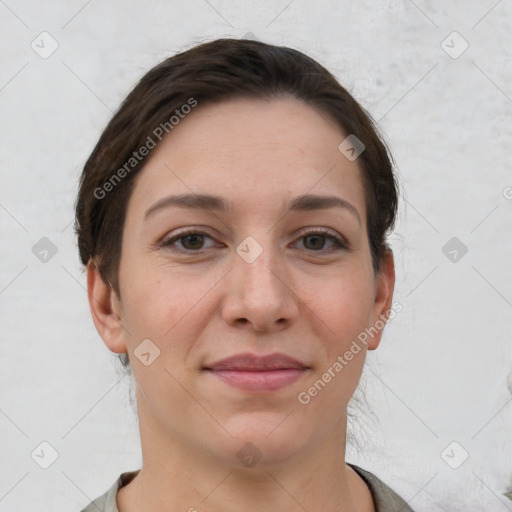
268	273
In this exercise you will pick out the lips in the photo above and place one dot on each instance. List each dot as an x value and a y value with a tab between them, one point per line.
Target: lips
253	363
258	374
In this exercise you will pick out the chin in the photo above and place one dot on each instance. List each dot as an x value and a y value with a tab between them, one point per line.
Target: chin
264	441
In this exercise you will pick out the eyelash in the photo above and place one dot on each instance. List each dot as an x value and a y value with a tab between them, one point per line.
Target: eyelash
169	242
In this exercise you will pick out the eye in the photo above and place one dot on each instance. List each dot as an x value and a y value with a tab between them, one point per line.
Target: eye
316	240
190	240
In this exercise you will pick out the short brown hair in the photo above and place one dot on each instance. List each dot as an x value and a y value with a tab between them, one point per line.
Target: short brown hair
212	72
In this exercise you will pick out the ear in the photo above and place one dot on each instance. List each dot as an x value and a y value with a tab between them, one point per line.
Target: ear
106	310
384	286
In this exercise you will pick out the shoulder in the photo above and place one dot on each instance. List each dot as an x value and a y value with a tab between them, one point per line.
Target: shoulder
107	501
385	499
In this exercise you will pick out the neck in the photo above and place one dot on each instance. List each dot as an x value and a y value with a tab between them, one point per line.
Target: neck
177	476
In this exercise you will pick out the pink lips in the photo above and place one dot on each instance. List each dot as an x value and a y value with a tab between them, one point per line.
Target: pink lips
258	373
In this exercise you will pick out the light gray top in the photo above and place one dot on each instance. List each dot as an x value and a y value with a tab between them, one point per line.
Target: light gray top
384	498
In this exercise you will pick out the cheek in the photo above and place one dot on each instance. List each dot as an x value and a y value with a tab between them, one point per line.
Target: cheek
342	312
342	303
163	304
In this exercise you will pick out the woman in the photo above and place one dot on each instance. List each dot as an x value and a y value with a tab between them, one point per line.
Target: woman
233	220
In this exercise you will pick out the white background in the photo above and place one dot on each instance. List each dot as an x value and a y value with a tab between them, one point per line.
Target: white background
440	373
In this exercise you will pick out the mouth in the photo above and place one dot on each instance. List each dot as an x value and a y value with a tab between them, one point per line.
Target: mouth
262	374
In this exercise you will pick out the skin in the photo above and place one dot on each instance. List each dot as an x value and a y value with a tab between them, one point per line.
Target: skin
302	296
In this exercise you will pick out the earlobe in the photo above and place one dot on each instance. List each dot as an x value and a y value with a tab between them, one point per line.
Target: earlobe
385	284
105	310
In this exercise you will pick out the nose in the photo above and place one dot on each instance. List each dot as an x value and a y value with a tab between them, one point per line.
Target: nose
259	294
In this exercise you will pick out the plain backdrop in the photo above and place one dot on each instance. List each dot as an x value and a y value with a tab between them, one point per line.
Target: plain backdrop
435	75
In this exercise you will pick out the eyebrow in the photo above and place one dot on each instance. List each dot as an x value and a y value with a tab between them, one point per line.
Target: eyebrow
306	202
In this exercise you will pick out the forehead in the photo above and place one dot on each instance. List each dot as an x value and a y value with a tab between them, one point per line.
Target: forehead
252	150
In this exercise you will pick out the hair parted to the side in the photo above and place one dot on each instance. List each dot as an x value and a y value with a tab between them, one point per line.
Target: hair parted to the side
208	73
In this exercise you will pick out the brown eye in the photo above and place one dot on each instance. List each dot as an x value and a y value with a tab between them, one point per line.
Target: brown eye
194	241
316	241
188	241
